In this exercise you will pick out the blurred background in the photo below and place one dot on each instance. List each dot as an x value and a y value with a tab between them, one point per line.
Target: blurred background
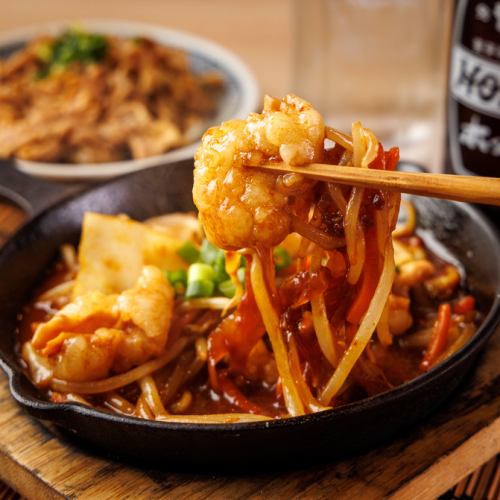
319	49
259	31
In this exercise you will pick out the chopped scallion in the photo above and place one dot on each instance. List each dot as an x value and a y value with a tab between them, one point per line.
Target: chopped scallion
189	252
176	276
178	279
199	271
199	288
227	288
210	253
219	267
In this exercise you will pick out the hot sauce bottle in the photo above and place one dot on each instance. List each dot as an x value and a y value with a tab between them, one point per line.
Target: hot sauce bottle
474	89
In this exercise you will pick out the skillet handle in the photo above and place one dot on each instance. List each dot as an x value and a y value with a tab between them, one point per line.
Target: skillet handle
30	193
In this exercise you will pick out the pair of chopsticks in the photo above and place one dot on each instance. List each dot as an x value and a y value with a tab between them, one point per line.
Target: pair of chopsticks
485	190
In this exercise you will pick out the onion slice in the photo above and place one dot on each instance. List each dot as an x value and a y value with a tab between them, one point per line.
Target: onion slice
366	328
320	318
151	395
214	303
354	236
408	227
339	137
271	322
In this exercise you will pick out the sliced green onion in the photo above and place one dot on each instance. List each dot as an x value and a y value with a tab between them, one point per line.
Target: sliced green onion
282	258
199	272
227	288
219	267
177	276
210	253
178	279
189	252
200	288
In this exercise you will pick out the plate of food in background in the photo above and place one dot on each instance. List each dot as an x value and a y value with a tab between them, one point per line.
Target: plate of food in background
104	98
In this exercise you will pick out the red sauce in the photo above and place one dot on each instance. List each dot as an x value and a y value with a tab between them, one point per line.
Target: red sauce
226	385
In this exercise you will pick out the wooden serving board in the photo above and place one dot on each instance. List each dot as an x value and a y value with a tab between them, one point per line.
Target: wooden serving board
423	463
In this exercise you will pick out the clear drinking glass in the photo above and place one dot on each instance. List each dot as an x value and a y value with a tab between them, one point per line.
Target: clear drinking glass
379	61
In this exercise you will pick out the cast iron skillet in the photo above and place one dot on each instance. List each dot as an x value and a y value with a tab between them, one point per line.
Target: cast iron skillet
24	259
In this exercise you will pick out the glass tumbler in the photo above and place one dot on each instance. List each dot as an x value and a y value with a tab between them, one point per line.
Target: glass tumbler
379	61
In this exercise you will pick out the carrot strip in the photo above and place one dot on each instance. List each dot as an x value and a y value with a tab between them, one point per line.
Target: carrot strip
365	329
439	337
464	305
385	160
391	158
379	162
369	280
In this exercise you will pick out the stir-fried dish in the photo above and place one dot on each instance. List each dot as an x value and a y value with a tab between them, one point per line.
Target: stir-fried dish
293	296
89	98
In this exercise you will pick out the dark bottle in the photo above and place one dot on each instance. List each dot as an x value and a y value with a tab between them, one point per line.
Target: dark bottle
473	145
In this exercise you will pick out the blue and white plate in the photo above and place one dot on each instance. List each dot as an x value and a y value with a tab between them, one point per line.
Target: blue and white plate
241	95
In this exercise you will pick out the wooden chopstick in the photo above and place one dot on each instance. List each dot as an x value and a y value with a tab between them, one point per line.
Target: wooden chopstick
473	189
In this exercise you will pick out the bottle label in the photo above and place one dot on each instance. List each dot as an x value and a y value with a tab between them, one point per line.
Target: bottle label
474	97
475	82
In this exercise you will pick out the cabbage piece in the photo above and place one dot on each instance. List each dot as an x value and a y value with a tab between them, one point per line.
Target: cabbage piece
113	250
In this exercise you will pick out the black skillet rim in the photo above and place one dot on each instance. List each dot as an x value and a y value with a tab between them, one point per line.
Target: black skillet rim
60	412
